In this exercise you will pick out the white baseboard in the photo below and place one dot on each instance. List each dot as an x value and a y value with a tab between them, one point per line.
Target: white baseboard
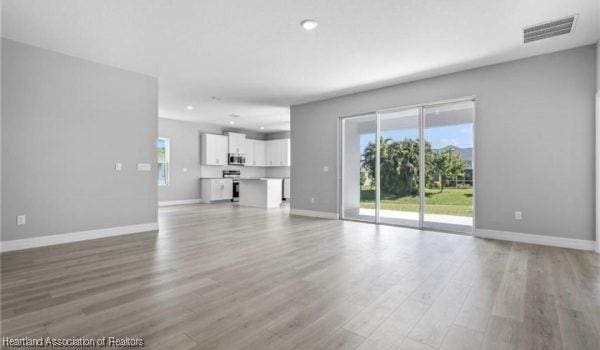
26	243
314	214
553	241
180	202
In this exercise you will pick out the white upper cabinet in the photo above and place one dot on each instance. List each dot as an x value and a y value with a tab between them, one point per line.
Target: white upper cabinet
237	143
283	155
271	152
278	152
250	152
213	149
259	152
255	155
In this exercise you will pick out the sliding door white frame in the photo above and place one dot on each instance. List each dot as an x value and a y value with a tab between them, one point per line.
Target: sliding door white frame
421	168
377	168
598	170
377	113
451	227
342	165
380	115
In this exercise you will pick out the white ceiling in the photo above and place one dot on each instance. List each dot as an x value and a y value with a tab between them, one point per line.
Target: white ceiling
256	58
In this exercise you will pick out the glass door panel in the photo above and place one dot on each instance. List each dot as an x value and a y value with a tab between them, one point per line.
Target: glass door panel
399	167
359	154
448	192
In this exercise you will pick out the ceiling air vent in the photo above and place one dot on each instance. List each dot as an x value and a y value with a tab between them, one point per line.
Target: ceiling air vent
548	29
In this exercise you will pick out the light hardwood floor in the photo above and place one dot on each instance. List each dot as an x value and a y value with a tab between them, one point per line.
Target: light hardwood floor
229	277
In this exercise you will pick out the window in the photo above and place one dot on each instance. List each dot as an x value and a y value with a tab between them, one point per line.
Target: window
162	151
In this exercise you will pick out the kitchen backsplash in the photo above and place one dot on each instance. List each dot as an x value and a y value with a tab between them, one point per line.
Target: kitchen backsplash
217	171
246	171
279	171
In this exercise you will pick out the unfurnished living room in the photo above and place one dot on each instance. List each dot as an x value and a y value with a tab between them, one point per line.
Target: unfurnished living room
295	174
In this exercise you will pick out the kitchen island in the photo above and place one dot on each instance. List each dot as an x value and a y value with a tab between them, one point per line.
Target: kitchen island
261	192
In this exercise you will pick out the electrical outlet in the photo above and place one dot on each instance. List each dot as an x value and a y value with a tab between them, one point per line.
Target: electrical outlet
118	166
325	169
312	200
143	167
518	215
21	220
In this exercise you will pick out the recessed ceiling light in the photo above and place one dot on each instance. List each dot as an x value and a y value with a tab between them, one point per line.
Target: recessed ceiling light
309	24
232	122
262	128
189	108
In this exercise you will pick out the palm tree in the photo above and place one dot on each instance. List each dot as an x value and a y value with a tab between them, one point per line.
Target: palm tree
399	166
448	164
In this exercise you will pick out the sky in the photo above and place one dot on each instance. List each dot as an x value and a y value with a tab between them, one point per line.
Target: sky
460	135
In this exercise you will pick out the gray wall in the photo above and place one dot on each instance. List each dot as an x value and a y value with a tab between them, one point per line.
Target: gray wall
66	122
534	141
184	141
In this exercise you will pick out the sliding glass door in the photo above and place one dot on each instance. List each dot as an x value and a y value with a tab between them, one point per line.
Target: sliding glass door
399	167
359	156
448	131
410	166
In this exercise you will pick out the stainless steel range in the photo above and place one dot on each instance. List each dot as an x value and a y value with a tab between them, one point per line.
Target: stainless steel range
235	175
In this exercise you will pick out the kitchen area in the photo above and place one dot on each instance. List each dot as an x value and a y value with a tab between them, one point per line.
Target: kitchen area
251	172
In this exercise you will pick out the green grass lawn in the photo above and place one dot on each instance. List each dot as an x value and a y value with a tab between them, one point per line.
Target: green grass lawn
450	202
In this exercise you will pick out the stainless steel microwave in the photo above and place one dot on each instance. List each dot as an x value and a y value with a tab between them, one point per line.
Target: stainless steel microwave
236	159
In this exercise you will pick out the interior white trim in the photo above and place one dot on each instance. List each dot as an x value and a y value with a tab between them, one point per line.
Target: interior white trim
314	214
536	239
43	241
180	202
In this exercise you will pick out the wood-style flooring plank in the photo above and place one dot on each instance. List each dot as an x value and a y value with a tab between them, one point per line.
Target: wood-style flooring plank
228	277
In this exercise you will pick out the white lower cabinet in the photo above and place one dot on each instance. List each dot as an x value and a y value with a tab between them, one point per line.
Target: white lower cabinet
216	190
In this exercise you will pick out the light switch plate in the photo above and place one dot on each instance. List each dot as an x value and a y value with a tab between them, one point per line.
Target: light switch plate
118	166
185	170
325	168
21	220
144	167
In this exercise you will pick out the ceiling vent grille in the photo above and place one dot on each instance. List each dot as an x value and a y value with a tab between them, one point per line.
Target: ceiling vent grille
548	29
